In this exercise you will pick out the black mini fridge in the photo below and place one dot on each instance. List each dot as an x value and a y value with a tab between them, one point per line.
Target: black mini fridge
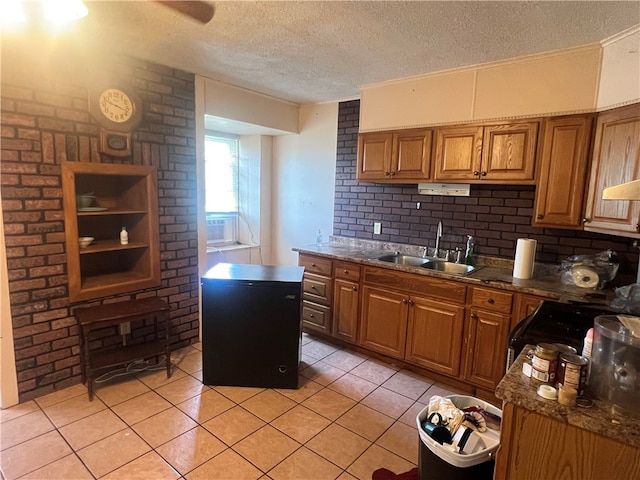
251	325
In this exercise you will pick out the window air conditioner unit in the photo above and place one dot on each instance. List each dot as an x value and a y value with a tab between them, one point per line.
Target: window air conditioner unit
221	230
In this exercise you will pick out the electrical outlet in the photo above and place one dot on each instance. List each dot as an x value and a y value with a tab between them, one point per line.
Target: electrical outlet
377	228
124	328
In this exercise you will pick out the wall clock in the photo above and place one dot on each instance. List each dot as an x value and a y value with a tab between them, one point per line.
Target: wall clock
115	107
118	110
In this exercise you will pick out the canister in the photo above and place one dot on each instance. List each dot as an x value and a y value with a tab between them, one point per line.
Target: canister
544	364
572	371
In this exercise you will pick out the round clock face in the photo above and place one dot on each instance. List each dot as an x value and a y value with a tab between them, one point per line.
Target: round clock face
116	105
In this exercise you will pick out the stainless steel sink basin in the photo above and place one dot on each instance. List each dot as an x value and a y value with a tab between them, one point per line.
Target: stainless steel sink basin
449	267
431	263
408	260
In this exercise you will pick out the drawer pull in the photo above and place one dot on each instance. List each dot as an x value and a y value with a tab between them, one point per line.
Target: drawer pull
346	272
491	301
311	315
314	265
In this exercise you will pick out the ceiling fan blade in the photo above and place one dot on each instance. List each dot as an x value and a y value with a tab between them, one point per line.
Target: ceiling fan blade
198	10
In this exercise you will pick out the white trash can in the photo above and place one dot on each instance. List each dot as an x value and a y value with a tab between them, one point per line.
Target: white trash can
441	461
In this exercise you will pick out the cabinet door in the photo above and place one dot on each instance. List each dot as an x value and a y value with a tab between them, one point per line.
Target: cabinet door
509	152
345	310
458	153
374	156
383	325
434	336
563	171
616	159
524	306
411	158
486	354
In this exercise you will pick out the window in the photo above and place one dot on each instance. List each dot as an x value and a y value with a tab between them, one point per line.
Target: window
221	188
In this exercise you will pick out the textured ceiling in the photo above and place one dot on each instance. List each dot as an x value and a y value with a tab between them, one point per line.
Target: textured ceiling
321	51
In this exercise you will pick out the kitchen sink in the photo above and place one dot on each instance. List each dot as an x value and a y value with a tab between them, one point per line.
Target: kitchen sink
449	267
428	262
408	260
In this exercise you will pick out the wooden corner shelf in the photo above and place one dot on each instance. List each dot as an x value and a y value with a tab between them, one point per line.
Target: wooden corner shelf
125	196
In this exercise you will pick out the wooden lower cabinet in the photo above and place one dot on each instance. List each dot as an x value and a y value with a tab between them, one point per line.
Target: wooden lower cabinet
434	336
534	446
383	323
486	347
345	310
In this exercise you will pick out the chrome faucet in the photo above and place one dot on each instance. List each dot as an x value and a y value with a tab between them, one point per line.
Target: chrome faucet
438	236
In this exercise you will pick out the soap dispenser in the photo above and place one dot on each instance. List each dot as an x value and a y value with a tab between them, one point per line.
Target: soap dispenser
468	254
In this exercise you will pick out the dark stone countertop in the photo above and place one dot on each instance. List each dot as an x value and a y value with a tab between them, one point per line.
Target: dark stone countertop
599	418
490	271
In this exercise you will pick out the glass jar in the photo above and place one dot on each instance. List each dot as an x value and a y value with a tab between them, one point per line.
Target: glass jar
544	364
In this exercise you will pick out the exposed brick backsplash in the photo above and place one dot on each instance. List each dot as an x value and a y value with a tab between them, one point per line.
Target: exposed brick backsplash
496	215
45	120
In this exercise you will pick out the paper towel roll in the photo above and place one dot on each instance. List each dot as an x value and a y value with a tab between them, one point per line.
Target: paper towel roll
525	258
585	277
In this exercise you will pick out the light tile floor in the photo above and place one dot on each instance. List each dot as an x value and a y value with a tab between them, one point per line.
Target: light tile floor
351	415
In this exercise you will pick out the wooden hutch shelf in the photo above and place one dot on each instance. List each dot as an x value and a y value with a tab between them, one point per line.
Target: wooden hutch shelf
125	196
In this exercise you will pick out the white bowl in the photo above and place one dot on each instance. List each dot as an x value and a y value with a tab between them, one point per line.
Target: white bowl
85	241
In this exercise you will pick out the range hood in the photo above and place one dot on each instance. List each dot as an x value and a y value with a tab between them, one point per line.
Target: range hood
624	191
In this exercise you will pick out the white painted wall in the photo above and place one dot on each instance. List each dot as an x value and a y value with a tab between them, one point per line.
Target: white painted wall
304	168
620	78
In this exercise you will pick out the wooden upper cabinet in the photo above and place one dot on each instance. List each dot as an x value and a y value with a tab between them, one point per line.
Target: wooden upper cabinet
563	171
400	156
509	152
374	155
503	153
616	160
458	153
411	156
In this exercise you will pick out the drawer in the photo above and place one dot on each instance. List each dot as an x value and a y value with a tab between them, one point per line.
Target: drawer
346	271
490	299
317	265
316	316
317	288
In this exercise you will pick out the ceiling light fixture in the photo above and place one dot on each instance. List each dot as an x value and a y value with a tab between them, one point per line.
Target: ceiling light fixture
12	12
61	11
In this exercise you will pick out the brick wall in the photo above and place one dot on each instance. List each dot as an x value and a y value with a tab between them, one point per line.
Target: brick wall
45	120
496	215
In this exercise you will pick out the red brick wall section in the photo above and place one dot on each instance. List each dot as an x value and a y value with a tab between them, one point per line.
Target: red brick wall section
496	215
44	121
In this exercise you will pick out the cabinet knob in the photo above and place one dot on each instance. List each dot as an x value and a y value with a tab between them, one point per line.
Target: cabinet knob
311	315
393	173
354	288
484	174
586	220
346	272
637	227
314	265
410	302
540	216
476	173
387	174
405	301
491	301
313	287
474	316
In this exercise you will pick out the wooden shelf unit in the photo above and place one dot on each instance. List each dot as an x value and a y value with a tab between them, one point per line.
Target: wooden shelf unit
129	196
108	315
